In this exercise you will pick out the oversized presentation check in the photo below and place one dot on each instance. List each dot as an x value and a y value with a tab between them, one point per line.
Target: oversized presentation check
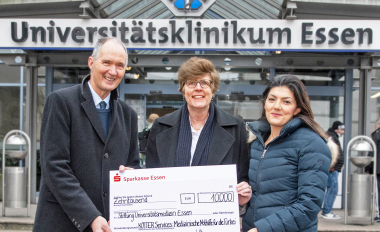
197	199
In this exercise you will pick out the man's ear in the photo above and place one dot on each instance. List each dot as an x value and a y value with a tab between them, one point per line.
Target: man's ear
90	62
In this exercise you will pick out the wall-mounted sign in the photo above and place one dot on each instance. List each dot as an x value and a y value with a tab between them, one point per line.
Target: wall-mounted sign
194	34
188	8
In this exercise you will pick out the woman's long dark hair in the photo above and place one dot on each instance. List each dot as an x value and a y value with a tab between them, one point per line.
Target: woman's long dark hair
302	99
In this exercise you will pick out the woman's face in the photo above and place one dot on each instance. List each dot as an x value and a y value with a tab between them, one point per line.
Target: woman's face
280	106
198	97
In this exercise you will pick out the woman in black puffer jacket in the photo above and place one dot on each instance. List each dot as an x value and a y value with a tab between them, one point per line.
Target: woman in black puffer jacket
289	162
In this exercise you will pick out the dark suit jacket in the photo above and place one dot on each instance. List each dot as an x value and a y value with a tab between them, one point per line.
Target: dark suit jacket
76	158
228	145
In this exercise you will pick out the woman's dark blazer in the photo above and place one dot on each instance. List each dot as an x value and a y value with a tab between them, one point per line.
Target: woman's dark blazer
228	144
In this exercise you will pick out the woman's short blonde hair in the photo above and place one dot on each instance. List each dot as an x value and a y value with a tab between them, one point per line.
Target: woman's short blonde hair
195	68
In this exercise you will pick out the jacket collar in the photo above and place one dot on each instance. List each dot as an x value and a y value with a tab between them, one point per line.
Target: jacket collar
262	127
222	118
333	131
376	131
92	113
86	92
220	145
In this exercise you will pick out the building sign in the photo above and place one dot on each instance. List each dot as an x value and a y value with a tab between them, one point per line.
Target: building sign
188	8
194	34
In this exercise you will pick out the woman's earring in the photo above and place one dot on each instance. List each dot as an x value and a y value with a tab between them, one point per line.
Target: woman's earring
184	98
212	98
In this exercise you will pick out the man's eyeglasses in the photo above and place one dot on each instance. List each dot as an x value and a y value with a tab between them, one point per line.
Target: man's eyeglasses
204	83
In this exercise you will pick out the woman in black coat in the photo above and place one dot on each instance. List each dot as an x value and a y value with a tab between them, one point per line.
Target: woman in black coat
200	133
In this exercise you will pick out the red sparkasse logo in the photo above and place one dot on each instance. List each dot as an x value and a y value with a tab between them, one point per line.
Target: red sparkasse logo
116	178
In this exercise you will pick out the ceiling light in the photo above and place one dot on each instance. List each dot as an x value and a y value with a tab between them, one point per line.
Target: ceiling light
376	95
137	76
128	68
278	52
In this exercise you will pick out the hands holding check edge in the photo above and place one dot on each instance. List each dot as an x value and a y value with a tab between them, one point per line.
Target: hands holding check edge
122	168
100	224
244	192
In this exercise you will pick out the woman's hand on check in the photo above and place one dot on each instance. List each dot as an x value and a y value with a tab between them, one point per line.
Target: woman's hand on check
122	168
244	192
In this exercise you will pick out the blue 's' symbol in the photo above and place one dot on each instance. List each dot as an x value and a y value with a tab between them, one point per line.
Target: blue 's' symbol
188	4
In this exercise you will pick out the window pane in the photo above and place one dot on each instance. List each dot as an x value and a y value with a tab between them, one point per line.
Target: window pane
9	110
246	107
10	74
69	75
116	6
137	103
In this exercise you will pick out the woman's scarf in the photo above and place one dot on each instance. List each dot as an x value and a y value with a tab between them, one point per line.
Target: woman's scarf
183	153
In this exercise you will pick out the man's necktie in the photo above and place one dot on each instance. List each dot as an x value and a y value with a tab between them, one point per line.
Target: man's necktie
103	105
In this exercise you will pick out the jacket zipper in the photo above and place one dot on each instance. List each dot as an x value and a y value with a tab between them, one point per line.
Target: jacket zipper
258	169
258	177
262	156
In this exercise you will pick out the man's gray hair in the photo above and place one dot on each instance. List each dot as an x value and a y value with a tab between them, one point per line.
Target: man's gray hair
378	121
101	42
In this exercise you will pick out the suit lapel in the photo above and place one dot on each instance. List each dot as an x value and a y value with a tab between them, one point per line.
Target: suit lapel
114	117
167	140
90	109
92	114
167	146
221	143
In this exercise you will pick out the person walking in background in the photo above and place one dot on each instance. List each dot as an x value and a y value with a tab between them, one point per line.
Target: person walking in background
151	120
143	138
86	132
289	161
369	169
335	131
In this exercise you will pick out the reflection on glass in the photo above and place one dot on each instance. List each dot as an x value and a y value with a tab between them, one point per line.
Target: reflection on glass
246	107
69	75
133	9
10	74
9	109
138	105
116	6
101	1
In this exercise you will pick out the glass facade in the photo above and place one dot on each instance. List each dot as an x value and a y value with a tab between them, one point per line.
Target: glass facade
327	105
11	107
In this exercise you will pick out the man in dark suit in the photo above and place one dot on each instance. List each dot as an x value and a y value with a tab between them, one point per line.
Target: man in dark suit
86	132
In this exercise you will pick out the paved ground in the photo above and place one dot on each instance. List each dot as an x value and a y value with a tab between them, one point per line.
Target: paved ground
16	221
357	225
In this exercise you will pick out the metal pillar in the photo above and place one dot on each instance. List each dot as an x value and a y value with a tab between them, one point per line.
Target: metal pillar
347	119
364	100
334	102
31	122
49	75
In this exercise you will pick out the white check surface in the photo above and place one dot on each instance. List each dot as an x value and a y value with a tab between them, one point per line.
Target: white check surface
197	199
